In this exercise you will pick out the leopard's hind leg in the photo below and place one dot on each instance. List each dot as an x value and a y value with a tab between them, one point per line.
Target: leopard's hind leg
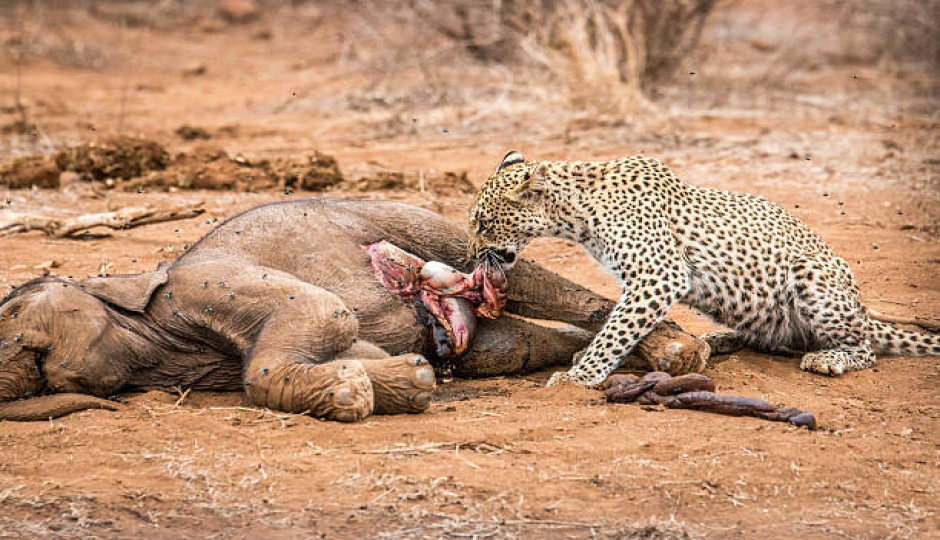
827	301
725	341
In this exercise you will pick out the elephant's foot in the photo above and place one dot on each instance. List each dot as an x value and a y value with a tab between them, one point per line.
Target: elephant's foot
352	399
402	384
338	390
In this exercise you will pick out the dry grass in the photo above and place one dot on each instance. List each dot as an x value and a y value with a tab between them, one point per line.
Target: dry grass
608	53
604	53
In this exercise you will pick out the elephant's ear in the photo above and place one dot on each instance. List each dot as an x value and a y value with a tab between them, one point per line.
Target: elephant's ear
131	292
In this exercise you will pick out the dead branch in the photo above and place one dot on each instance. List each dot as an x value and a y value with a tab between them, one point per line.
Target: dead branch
481	447
62	227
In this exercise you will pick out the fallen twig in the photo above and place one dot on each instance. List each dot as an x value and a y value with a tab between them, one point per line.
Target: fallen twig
434	447
62	227
183	395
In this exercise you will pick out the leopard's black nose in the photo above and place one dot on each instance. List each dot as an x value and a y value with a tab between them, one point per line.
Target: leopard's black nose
506	256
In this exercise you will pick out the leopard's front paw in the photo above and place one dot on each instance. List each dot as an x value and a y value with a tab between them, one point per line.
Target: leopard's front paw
557	378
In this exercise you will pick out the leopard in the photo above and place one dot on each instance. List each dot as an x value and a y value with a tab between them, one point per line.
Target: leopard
744	261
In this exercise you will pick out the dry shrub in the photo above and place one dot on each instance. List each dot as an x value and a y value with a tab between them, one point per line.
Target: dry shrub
895	30
605	52
589	46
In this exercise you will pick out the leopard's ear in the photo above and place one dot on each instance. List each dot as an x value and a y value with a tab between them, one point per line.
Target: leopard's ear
532	186
512	158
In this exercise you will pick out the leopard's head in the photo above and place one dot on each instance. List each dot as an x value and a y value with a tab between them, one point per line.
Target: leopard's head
508	212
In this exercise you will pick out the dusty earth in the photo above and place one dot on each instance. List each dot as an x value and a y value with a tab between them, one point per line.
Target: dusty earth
851	149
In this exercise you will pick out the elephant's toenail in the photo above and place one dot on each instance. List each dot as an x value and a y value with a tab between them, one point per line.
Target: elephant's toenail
425	376
345	398
286	378
422	401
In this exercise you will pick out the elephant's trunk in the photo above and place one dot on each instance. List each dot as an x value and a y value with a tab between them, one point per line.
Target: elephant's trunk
20	375
51	406
537	293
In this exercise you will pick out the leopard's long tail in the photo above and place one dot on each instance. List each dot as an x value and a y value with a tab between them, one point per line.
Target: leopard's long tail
889	339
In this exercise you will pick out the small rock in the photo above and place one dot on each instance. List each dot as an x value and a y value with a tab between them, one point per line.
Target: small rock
194	69
190	133
69	177
239	11
47	265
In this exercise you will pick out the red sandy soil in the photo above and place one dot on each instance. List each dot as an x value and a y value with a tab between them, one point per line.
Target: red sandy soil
504	457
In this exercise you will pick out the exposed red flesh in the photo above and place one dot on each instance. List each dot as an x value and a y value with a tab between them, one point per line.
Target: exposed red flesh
453	298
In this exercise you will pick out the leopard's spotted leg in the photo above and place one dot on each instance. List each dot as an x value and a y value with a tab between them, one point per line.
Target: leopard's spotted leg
828	301
659	284
725	342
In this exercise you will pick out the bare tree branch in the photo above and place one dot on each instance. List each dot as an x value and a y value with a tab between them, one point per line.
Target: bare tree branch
66	226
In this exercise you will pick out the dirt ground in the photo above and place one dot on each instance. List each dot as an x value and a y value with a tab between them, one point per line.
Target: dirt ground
849	147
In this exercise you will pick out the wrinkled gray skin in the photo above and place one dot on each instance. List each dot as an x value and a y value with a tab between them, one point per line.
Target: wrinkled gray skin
280	302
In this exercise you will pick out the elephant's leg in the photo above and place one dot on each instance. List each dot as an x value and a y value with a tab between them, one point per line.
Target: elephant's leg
513	345
401	384
289	331
312	326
